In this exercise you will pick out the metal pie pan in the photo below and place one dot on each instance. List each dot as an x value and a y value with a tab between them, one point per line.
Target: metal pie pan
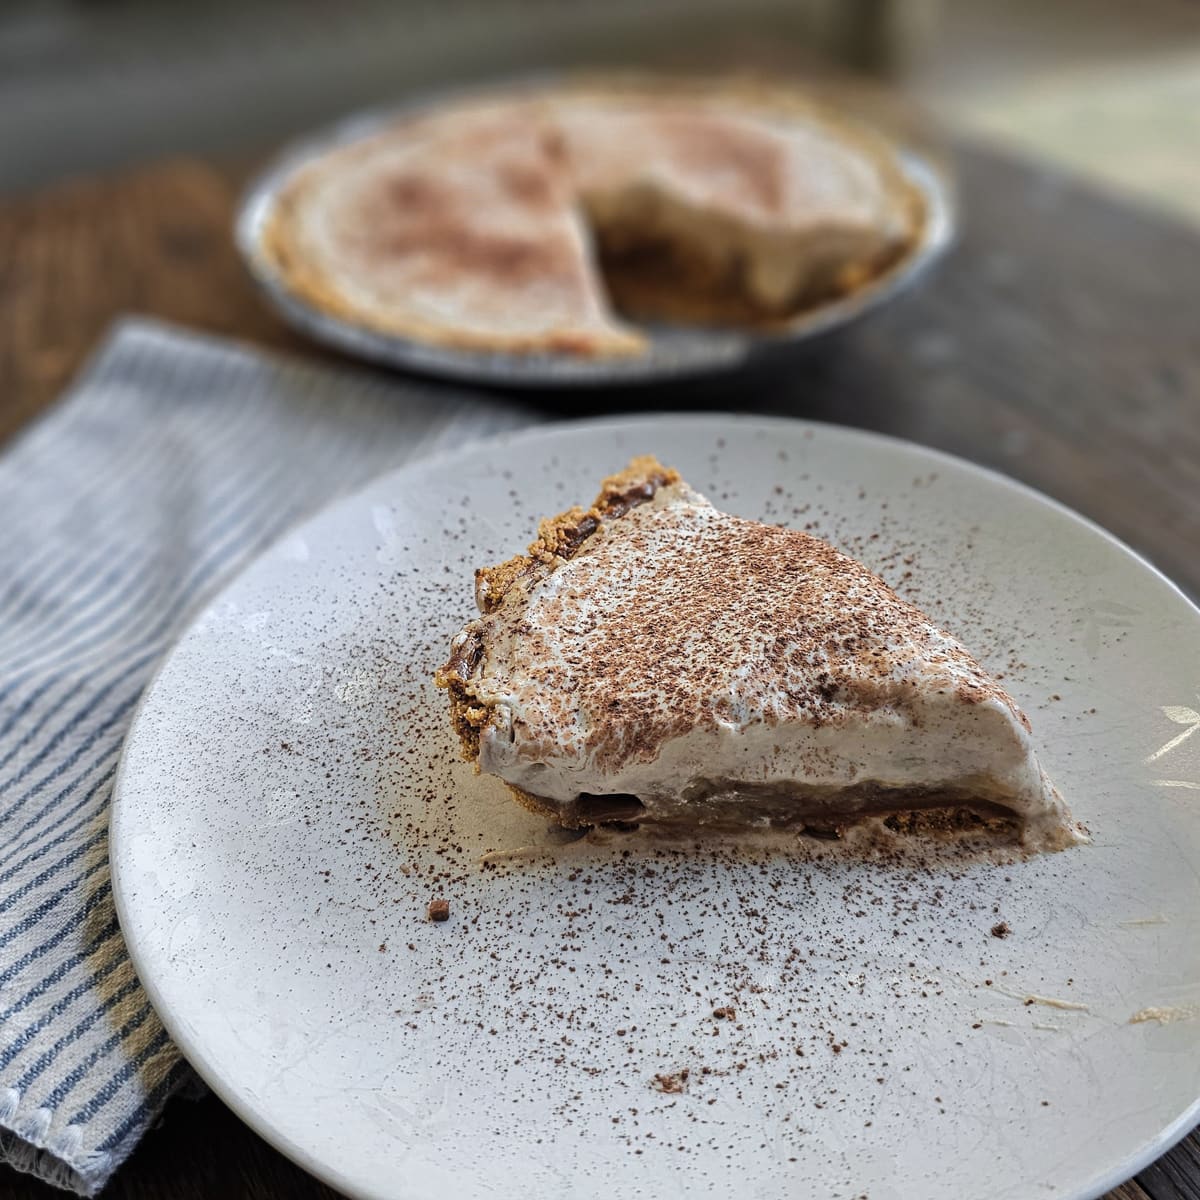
674	352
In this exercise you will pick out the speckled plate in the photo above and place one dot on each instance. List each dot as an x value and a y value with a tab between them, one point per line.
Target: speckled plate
674	352
291	800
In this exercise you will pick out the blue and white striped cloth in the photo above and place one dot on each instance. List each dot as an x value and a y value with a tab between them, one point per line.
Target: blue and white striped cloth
173	462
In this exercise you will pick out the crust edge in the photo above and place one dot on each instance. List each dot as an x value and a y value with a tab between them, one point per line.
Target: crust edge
559	539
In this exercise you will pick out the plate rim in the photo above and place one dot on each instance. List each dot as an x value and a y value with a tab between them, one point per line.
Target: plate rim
734	350
189	1047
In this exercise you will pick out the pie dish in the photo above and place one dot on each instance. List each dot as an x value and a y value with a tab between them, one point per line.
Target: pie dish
654	660
545	220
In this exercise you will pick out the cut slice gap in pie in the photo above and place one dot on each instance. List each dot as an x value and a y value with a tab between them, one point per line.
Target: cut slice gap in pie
654	660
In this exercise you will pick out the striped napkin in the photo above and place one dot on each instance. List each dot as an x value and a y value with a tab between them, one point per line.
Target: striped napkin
170	465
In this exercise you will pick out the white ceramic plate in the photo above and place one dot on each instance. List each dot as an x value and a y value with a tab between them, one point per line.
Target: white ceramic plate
674	352
290	800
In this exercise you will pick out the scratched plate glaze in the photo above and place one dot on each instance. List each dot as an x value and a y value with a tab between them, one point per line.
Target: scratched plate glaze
291	800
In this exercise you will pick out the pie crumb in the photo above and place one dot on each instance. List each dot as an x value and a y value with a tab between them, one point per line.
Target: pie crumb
671	1085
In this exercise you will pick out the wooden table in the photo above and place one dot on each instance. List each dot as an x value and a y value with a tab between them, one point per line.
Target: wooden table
1060	344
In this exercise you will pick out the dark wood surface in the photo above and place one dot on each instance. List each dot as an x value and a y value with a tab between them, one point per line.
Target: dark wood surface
1060	343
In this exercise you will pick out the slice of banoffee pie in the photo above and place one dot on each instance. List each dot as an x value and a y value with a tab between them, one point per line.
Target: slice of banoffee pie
655	660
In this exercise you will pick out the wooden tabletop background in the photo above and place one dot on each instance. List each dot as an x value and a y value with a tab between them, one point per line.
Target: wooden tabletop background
1060	343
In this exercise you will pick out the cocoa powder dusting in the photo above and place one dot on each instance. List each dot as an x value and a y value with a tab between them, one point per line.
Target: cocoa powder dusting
615	633
796	986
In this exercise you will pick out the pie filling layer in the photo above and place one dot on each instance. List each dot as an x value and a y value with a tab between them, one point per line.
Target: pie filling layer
662	261
820	812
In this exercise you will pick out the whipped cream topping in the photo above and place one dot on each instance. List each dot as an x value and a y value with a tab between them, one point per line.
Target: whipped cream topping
462	222
477	224
682	647
777	173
